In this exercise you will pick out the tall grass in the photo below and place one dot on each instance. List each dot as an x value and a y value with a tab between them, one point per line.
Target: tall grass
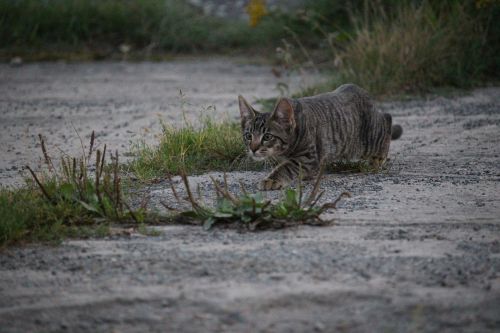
417	47
394	47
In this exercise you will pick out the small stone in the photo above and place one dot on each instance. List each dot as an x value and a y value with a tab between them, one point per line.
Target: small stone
319	326
16	61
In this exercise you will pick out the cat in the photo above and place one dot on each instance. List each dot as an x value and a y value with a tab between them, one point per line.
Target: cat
302	133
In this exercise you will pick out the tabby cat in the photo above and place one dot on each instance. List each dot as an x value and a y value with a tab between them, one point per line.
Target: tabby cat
300	134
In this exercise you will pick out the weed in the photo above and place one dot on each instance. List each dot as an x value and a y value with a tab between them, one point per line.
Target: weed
70	185
252	211
28	216
66	200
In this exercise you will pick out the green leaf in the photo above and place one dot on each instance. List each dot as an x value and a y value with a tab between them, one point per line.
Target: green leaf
222	215
224	205
190	214
291	199
246	218
280	210
89	207
209	222
108	205
67	191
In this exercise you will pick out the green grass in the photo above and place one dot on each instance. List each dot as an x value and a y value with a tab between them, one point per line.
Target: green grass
191	149
17	215
27	216
66	200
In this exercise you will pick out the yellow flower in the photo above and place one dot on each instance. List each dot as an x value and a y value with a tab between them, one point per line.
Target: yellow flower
256	9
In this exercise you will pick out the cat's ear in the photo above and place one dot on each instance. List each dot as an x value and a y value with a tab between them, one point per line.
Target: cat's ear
246	110
283	113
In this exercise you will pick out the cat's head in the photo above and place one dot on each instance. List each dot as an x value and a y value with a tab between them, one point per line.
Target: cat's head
267	134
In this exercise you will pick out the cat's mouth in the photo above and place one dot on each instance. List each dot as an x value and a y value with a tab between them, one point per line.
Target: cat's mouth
257	156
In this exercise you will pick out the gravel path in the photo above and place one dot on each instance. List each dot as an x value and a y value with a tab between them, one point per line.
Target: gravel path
416	248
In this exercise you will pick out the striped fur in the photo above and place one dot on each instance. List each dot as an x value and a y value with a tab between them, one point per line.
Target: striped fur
302	133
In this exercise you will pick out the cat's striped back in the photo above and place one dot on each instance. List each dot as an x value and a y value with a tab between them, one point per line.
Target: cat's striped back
344	124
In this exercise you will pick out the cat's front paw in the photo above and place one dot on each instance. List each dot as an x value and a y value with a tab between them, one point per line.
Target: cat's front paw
271	184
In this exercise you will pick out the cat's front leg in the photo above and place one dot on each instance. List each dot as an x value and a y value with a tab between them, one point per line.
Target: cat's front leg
269	184
283	174
280	177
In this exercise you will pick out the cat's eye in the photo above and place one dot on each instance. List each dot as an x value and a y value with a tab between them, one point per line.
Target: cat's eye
247	136
267	137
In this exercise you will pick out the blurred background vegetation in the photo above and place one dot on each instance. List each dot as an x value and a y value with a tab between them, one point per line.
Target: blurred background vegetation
386	46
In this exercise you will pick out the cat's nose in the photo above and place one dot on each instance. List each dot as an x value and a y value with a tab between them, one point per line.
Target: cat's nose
254	147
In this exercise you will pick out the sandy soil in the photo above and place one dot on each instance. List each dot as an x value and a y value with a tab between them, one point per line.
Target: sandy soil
416	248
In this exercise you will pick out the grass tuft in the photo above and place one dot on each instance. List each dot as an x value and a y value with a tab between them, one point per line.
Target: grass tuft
66	199
212	146
85	195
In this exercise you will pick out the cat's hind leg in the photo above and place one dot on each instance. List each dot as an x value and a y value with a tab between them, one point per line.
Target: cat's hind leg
377	162
378	158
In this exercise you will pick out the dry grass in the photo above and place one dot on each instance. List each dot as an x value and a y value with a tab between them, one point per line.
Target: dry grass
417	48
406	47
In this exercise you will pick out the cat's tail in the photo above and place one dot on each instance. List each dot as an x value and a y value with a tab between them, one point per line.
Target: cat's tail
396	132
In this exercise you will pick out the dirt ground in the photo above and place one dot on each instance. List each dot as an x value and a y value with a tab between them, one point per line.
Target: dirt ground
416	248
